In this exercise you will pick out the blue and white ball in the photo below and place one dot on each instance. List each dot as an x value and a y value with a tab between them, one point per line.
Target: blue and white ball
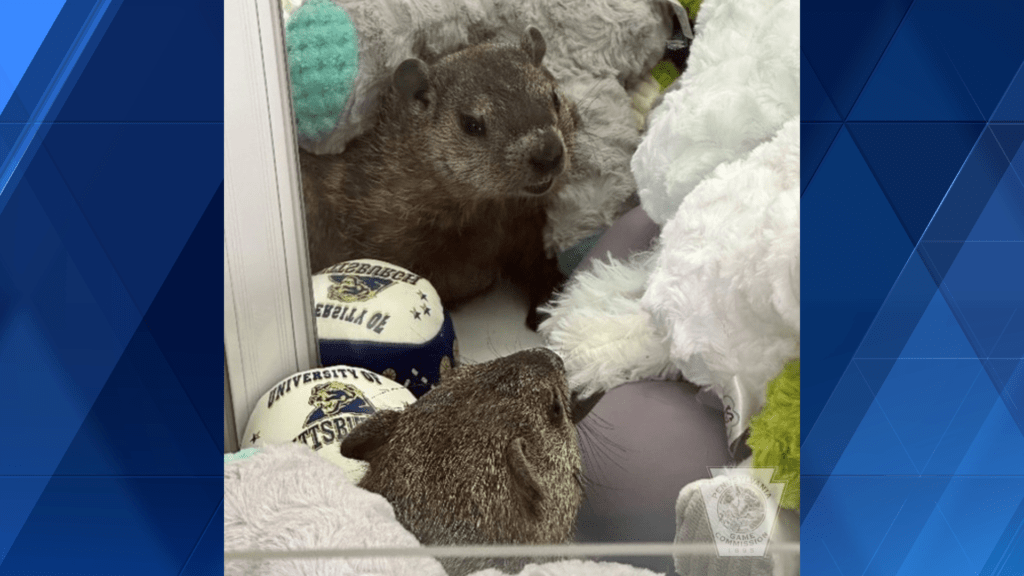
384	318
320	407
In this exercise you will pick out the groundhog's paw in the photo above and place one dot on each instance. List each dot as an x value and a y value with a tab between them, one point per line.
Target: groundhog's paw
534	317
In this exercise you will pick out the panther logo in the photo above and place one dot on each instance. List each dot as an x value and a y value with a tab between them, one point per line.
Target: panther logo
352	288
332	398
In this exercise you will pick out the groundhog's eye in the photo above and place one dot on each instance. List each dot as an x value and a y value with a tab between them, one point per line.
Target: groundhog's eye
557	102
473	126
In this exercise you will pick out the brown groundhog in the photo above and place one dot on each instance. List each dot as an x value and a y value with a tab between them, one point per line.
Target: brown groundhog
489	456
454	180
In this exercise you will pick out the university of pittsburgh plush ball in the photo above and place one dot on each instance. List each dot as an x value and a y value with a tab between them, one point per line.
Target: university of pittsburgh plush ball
384	318
320	407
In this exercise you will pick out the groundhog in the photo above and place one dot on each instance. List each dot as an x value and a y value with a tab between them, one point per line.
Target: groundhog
489	456
454	180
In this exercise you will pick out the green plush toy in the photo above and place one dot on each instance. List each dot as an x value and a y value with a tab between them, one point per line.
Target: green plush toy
666	72
323	58
775	433
692	6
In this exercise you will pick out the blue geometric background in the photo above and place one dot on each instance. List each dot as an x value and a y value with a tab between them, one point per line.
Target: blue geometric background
912	231
111	306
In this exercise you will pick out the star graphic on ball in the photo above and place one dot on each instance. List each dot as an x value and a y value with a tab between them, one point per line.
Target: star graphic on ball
416	313
422	295
255	437
426	310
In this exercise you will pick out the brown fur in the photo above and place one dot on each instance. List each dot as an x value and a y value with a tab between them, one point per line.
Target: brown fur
421	192
489	456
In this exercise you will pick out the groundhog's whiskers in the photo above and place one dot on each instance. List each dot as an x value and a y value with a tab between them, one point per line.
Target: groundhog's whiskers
598	448
583	104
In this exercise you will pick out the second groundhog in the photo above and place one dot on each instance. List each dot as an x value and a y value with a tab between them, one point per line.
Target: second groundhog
454	181
489	456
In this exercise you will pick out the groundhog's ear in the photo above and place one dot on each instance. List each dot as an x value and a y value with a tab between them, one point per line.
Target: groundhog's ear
370	436
411	81
534	45
524	479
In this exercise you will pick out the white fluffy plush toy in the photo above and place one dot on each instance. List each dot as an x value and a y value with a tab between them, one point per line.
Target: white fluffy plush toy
286	498
718	300
342	54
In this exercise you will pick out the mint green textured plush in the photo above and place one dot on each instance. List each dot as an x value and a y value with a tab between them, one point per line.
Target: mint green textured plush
775	433
323	59
240	455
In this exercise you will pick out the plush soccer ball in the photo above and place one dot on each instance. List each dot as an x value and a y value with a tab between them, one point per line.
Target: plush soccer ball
386	319
320	407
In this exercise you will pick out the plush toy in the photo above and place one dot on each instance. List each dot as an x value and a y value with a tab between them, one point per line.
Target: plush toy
775	440
383	318
342	54
717	300
285	498
319	408
775	434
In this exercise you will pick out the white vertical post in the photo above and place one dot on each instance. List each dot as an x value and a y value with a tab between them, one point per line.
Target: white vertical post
268	322
230	430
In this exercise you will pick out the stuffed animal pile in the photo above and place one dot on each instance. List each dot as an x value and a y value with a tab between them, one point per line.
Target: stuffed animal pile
718	301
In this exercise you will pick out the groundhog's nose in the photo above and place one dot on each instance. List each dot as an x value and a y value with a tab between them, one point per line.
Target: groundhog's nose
581	406
548	158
